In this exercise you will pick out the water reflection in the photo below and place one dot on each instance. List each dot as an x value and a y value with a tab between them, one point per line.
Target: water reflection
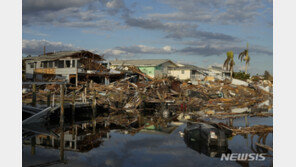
81	141
206	139
144	136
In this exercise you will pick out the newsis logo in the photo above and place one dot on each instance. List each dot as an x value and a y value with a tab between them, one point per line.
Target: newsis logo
243	157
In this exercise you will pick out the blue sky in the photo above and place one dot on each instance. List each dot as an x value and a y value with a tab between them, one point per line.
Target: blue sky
198	32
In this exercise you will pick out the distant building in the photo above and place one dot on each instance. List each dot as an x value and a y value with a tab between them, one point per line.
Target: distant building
66	65
152	67
218	72
187	72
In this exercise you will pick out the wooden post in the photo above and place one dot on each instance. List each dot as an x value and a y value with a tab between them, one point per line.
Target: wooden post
82	97
246	121
140	120
94	107
73	113
34	95
48	98
53	100
85	91
33	143
231	122
91	84
62	123
76	134
76	82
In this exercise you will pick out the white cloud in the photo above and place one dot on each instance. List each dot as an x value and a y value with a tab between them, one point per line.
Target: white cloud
167	48
35	47
138	49
115	52
214	11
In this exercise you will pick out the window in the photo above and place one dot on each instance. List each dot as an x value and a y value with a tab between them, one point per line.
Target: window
68	63
67	144
182	71
44	64
31	65
73	63
61	64
56	63
50	64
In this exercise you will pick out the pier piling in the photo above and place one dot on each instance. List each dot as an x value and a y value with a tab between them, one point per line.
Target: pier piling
34	95
48	98
73	113
62	122
94	108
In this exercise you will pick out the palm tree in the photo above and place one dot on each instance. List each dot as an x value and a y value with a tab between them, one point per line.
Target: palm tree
229	63
244	56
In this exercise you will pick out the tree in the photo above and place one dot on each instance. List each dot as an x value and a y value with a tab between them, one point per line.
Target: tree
267	76
244	56
229	63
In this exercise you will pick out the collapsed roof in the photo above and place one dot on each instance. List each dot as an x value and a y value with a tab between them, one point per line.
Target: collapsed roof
59	55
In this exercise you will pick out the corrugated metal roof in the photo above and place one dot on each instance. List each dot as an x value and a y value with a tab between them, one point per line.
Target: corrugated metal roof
143	62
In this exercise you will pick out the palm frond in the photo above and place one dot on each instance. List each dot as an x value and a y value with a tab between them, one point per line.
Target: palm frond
241	55
248	60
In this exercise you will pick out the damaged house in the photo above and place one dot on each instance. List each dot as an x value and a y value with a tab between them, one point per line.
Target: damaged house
187	72
155	68
218	72
69	66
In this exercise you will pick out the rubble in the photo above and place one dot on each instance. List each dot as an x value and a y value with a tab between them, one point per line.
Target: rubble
131	92
138	92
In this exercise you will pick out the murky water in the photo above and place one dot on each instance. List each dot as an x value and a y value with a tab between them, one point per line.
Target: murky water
152	146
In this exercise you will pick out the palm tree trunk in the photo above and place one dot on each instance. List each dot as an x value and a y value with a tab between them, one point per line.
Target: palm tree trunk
246	69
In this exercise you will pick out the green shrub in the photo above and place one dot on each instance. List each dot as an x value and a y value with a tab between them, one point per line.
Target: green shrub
241	75
256	78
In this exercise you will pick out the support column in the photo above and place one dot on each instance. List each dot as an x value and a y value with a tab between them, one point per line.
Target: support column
48	98
33	143
34	95
94	107
53	100
62	123
73	113
246	121
76	82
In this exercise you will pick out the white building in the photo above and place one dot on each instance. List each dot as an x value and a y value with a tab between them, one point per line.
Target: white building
187	72
67	65
218	72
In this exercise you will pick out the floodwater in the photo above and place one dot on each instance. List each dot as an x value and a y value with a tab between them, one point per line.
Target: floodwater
155	146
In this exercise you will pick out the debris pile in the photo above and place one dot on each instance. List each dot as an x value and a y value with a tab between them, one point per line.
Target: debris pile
137	92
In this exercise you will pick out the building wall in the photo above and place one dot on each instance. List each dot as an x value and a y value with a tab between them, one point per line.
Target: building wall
162	69
152	71
181	74
148	70
64	72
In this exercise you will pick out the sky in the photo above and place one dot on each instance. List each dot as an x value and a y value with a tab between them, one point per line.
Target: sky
197	32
